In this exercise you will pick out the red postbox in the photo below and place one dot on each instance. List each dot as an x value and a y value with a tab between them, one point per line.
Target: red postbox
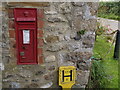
26	35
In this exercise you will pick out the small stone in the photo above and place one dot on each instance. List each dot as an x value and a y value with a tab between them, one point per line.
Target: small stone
48	85
82	77
78	12
26	80
53	20
65	7
87	44
72	35
39	73
61	37
0	44
77	37
52	39
47	77
8	76
76	86
52	76
79	56
68	63
35	80
32	85
61	56
1	66
56	19
87	14
84	65
56	47
51	68
50	58
14	85
51	13
78	4
74	45
67	37
25	73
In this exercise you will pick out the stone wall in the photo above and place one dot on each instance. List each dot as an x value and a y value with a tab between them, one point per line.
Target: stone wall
66	37
0	45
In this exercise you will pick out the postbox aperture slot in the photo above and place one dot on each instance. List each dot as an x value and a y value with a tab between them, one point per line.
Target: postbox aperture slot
26	23
25	19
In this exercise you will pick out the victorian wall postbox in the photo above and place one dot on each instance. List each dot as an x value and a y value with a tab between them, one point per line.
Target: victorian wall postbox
26	35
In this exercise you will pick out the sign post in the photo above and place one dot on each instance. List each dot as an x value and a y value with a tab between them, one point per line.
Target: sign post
117	46
67	76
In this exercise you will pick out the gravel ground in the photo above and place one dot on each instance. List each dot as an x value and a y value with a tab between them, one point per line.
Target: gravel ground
111	24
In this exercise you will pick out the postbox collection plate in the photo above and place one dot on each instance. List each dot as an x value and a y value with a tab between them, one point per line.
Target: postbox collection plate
26	35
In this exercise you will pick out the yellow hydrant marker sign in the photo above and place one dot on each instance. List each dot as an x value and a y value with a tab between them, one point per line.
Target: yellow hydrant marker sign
67	76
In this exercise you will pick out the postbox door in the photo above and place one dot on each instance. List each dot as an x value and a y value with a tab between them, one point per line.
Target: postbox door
26	35
26	45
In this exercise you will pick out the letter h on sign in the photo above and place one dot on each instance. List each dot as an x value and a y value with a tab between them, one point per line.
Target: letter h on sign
63	76
67	76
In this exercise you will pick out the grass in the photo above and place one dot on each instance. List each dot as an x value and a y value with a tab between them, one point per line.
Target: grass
101	47
109	16
109	65
109	10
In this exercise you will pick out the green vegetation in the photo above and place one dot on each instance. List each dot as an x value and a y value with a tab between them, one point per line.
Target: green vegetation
104	70
81	32
109	10
104	73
